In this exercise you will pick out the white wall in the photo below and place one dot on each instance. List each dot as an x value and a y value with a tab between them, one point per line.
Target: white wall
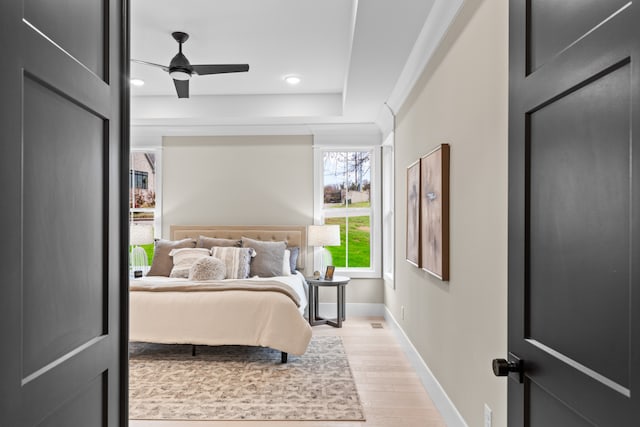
245	180
461	99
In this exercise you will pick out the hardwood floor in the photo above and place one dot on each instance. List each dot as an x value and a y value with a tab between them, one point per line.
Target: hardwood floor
390	391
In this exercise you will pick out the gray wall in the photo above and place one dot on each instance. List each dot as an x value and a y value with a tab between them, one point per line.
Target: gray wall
461	99
245	180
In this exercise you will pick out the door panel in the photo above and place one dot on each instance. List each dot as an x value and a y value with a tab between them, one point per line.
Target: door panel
63	165
86	39
548	27
547	411
573	212
84	409
578	224
77	83
63	174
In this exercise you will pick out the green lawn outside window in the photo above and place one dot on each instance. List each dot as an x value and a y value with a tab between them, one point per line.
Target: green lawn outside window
359	238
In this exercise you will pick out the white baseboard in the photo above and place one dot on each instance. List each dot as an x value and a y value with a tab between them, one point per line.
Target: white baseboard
449	412
329	309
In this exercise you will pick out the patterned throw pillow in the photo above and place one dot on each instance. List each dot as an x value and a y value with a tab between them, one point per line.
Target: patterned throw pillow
183	259
236	260
207	268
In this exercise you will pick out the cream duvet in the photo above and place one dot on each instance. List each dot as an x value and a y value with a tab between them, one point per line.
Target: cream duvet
176	311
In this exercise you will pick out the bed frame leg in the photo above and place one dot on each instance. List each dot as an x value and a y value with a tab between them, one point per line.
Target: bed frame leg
283	357
193	350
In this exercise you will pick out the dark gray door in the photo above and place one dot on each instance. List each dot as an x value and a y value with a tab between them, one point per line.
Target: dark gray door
574	212
62	173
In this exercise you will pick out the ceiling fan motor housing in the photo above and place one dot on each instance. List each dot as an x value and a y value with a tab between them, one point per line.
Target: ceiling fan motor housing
180	68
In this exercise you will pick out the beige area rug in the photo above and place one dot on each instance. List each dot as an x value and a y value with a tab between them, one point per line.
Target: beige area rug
242	383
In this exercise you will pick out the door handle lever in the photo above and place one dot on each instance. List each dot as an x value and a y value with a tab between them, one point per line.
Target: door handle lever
514	368
501	367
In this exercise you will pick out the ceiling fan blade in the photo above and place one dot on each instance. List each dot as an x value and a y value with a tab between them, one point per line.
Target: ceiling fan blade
151	64
220	68
182	87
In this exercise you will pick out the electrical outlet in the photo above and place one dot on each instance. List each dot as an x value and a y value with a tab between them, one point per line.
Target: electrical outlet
402	312
487	416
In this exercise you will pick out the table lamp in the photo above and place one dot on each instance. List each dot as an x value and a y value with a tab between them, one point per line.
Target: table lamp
139	235
321	236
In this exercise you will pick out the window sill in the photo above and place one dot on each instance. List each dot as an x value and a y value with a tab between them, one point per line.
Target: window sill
359	274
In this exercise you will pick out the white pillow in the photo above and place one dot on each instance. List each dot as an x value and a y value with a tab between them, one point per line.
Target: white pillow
184	258
286	263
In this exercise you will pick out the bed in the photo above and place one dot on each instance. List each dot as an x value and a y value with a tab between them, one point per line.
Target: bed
163	311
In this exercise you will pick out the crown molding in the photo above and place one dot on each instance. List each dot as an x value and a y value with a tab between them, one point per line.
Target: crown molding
342	134
440	17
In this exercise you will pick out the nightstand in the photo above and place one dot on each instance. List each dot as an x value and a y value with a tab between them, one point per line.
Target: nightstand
338	282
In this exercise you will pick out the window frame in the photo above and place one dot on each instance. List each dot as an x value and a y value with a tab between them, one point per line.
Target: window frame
388	204
375	269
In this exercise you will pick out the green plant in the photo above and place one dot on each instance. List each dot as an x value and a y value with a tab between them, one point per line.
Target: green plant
148	249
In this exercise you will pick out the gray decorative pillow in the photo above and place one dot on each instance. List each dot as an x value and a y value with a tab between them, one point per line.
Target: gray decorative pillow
269	257
207	268
162	262
293	258
209	242
184	258
236	260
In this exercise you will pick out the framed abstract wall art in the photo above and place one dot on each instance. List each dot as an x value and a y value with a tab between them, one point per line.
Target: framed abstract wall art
413	214
434	212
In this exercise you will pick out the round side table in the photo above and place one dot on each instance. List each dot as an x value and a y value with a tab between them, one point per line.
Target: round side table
338	282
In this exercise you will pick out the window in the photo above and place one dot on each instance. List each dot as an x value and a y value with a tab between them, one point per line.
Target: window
144	204
348	197
142	180
139	179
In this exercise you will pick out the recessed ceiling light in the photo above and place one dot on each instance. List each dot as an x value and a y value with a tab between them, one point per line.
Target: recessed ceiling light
137	82
292	79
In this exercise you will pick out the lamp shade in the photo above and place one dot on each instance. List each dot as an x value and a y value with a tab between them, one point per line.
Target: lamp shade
324	235
140	234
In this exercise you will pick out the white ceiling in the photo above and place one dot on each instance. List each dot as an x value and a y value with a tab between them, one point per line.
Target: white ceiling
275	37
349	54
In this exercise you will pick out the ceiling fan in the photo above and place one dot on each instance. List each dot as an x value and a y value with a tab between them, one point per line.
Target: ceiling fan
181	70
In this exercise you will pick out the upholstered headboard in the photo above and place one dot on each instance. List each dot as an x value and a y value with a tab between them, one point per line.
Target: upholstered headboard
294	235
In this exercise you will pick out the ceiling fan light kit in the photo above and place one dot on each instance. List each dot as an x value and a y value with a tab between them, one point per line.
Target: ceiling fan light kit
292	79
181	70
180	75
